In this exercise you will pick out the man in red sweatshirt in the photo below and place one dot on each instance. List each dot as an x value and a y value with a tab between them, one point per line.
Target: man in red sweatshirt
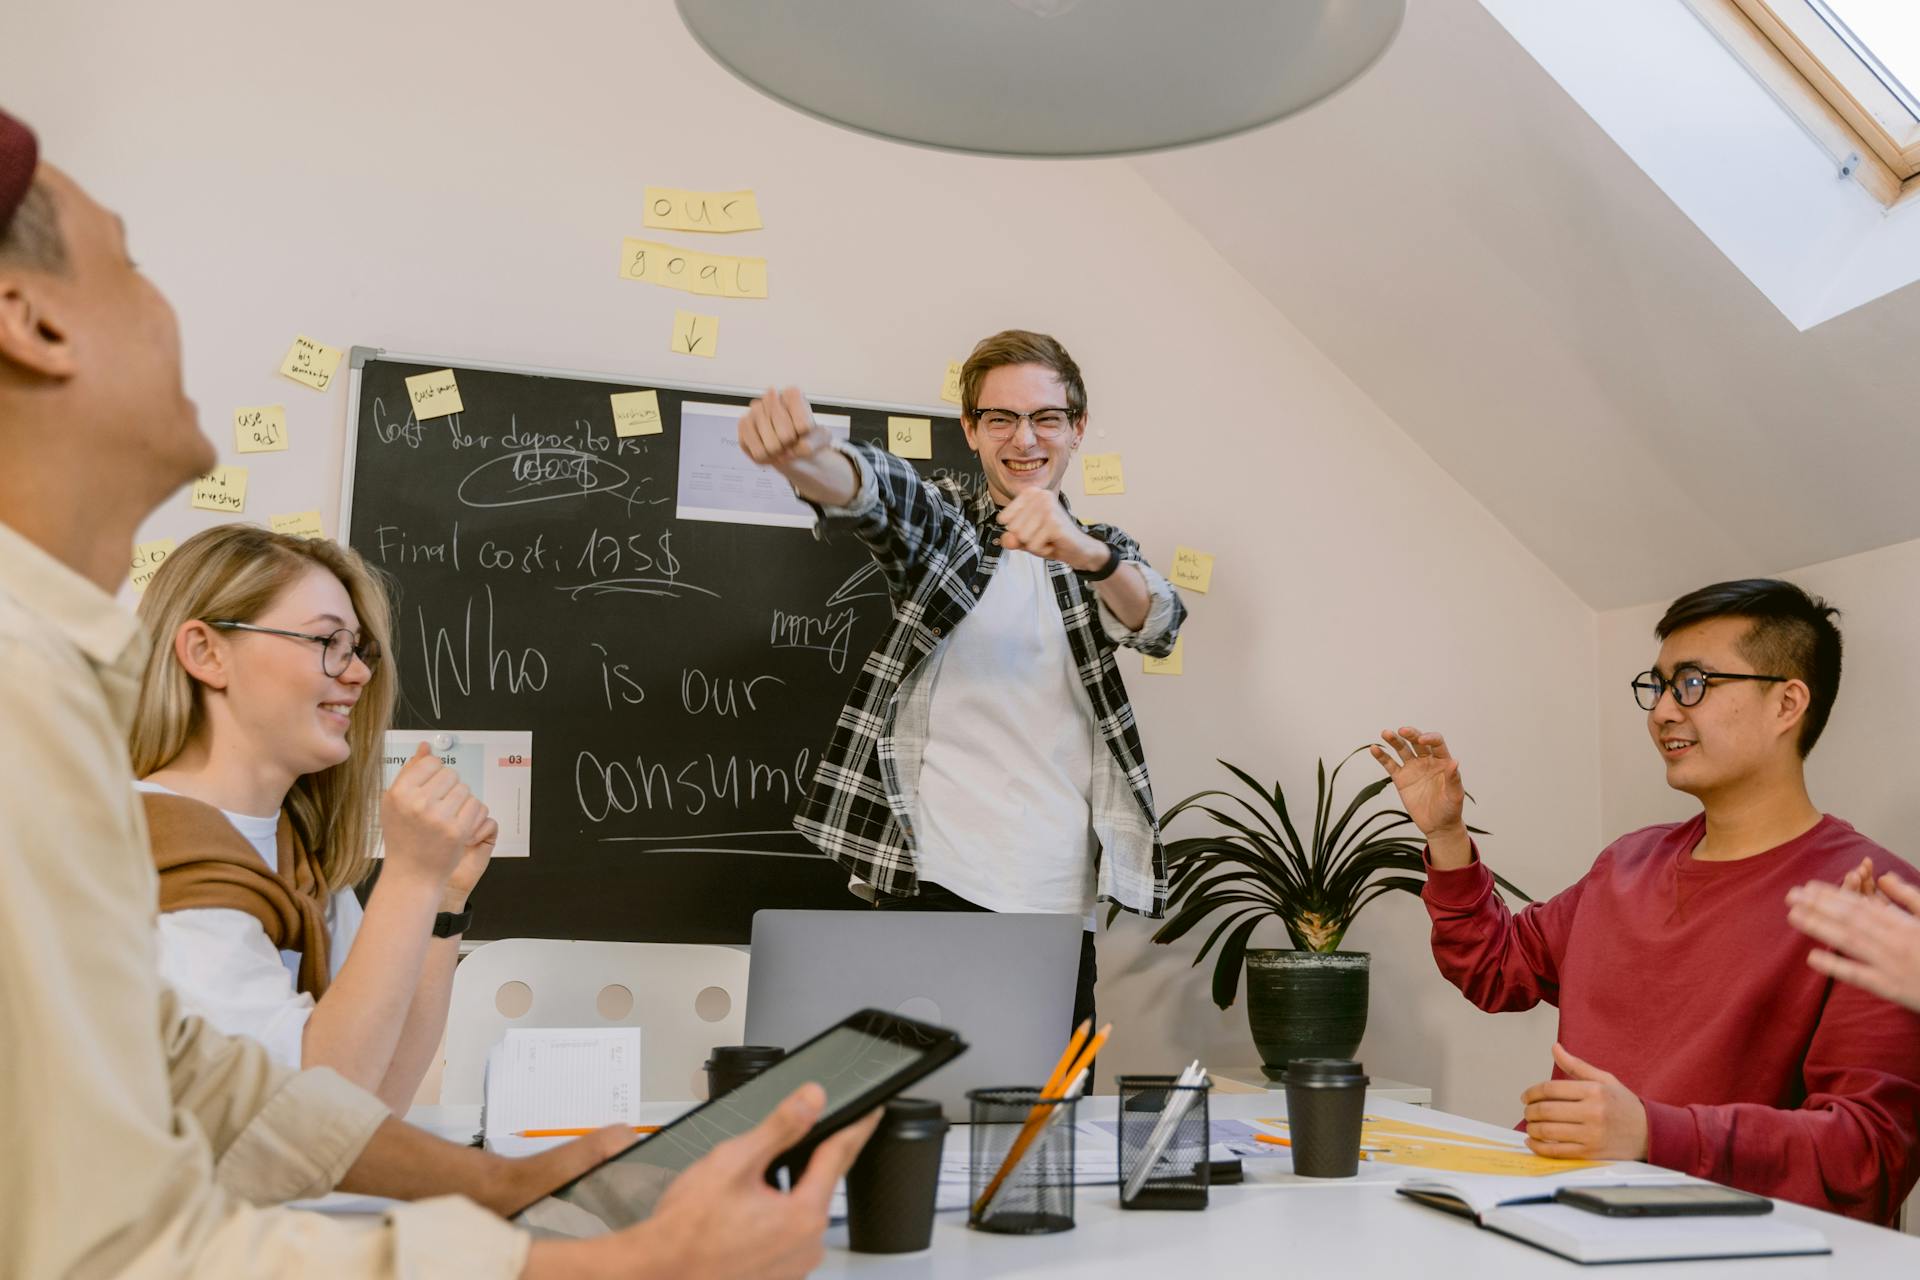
1704	1041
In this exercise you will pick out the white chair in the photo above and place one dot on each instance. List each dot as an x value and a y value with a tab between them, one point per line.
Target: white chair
685	998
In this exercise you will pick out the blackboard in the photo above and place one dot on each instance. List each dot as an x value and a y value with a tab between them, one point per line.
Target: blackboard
680	677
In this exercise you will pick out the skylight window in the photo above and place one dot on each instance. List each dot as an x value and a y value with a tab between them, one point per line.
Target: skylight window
1885	36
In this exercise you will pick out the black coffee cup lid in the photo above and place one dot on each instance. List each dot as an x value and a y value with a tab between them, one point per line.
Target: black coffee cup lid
913	1109
747	1054
1325	1071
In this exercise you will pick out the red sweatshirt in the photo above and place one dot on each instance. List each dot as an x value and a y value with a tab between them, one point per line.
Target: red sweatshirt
1684	979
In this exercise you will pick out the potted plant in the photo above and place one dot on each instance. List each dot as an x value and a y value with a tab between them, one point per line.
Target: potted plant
1310	1001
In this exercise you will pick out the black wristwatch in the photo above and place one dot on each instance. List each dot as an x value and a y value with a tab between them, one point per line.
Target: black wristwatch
1105	571
451	924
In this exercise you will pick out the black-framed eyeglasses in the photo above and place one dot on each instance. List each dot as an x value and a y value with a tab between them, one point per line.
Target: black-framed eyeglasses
338	649
1689	684
1048	424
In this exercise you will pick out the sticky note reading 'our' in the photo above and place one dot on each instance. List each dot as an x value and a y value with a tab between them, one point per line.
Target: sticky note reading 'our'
434	395
910	437
301	524
715	275
1192	569
636	413
671	209
261	429
1167	666
147	559
221	489
311	363
1100	473
950	389
695	335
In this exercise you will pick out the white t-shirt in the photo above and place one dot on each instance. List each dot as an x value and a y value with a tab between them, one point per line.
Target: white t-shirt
1003	817
228	971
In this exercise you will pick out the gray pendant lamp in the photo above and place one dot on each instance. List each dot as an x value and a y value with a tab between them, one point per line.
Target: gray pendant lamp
1046	77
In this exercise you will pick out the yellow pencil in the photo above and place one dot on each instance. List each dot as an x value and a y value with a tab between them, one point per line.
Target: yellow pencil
1057	1085
577	1133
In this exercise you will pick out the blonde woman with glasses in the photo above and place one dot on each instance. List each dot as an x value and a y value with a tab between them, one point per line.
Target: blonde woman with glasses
262	717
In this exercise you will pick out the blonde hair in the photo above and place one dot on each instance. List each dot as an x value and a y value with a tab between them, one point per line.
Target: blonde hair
237	571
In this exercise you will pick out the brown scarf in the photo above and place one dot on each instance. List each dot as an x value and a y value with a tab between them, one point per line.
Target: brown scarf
205	862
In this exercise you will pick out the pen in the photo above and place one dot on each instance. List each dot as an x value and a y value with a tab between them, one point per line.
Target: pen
577	1133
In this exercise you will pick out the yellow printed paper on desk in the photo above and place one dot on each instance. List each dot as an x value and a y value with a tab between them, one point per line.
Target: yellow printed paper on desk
950	389
434	395
260	429
301	524
910	437
147	559
636	413
695	335
311	363
1417	1146
671	209
1167	666
1192	569
713	274
222	489
1101	473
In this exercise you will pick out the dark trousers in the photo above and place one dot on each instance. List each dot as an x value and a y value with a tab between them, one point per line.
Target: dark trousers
933	897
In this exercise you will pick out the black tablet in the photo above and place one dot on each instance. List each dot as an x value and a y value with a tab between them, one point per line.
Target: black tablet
861	1062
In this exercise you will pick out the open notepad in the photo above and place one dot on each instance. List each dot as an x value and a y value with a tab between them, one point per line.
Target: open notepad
1524	1209
559	1078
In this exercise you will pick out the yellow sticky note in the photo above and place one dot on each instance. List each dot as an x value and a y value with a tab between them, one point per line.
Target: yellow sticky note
260	429
222	489
714	274
672	209
434	395
147	558
311	363
301	524
1192	569
910	437
950	389
636	413
1167	666
1100	473
694	335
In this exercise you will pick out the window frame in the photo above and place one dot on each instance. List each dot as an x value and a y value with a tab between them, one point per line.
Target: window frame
1831	88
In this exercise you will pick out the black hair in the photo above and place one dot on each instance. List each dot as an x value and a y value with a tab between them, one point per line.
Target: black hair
32	237
1792	634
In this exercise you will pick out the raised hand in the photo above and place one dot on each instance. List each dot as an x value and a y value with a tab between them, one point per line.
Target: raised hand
778	429
1588	1116
472	865
1037	522
1427	777
429	820
1875	940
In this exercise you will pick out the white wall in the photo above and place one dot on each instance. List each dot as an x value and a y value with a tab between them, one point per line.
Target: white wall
1857	771
455	179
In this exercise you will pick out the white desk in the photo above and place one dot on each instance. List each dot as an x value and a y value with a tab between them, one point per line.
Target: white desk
1277	1225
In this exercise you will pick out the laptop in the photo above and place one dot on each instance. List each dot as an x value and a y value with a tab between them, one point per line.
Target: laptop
1005	982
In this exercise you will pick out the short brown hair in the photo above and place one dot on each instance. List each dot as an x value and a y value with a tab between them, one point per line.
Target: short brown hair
32	237
1020	346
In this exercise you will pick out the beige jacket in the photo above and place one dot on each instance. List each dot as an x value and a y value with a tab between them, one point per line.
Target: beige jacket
136	1140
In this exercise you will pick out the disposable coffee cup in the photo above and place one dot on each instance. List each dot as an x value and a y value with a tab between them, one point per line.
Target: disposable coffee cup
1326	1099
891	1186
731	1065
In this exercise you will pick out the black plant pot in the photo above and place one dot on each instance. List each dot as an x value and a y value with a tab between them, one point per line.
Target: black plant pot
1305	1004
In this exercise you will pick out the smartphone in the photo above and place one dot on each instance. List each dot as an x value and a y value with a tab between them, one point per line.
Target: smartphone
861	1062
1662	1200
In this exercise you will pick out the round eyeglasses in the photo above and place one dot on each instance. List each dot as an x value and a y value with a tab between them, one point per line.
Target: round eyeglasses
1689	684
338	649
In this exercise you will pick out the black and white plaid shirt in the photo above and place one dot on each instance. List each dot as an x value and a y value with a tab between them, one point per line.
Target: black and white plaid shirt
938	548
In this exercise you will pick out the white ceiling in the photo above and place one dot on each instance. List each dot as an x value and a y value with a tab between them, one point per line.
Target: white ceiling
1486	263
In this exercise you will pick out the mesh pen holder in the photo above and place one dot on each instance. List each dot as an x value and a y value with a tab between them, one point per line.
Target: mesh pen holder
1022	1181
1178	1177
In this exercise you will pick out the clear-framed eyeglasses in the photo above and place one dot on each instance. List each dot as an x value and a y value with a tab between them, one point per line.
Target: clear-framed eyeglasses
1001	424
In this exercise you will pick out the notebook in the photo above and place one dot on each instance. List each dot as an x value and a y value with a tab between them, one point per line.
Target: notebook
559	1078
1524	1209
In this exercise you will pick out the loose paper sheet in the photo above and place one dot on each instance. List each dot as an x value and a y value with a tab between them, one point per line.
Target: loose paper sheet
719	482
560	1078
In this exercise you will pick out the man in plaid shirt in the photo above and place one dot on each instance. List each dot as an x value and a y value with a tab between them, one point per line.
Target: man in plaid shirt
988	758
